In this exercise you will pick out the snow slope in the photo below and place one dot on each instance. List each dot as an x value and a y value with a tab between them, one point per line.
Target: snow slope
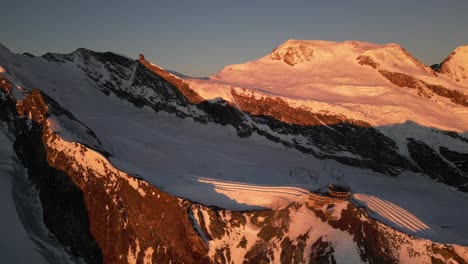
179	154
25	239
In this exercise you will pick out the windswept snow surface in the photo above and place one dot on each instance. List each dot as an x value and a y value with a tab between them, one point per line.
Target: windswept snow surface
179	155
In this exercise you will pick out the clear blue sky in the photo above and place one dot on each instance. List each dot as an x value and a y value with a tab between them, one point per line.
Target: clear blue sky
200	37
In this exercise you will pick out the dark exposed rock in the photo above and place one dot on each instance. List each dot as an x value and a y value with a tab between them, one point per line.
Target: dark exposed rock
216	228
401	79
162	95
371	241
243	243
293	55
435	166
454	135
294	252
222	113
366	60
220	253
447	252
456	97
281	111
436	67
322	252
259	253
274	224
425	89
458	159
181	86
6	86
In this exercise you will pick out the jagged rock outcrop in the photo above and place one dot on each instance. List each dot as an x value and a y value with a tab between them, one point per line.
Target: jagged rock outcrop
292	53
434	165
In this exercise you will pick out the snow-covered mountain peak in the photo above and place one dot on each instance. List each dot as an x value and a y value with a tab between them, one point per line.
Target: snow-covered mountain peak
348	45
394	57
462	49
290	66
293	52
304	56
385	82
455	66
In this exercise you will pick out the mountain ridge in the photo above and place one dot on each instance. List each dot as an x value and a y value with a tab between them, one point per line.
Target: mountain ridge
136	109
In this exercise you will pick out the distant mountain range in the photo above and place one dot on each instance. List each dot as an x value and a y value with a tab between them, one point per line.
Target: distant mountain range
118	160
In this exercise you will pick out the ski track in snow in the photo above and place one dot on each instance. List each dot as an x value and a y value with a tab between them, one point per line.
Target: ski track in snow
230	185
393	213
264	196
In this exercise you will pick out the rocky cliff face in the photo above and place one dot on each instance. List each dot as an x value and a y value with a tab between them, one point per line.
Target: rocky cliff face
292	53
